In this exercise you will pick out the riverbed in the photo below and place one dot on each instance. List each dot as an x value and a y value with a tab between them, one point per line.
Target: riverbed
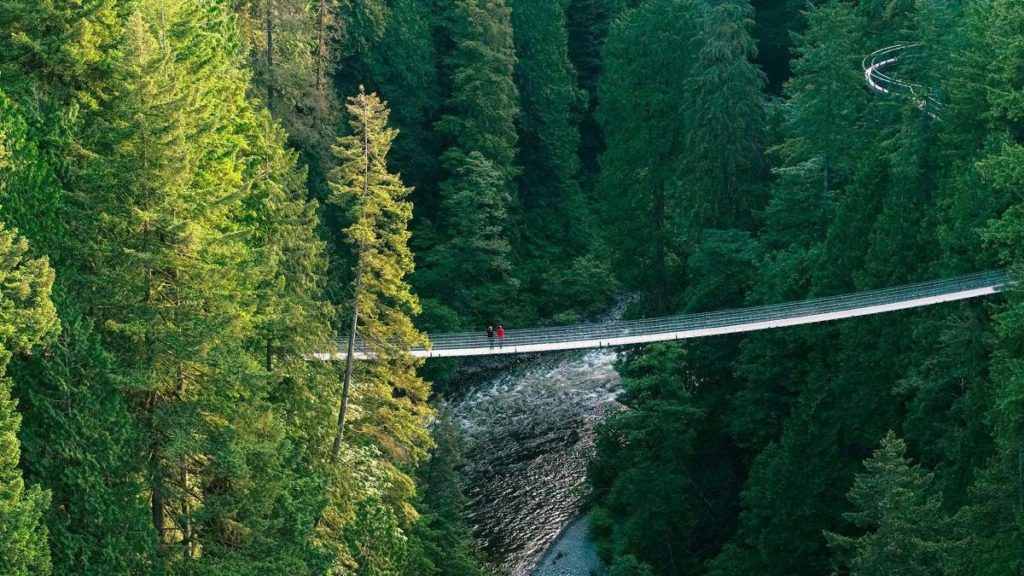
529	434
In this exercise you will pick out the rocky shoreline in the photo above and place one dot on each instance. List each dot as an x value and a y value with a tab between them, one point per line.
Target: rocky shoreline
573	553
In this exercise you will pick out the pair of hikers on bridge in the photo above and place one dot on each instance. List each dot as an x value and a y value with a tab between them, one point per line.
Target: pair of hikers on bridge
500	333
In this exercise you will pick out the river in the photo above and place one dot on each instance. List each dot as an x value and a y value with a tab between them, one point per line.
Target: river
529	433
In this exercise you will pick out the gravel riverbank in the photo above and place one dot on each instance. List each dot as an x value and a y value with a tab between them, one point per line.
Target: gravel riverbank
571	554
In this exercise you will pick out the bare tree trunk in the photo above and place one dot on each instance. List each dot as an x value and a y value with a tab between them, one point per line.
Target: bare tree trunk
270	54
339	434
323	44
157	498
186	532
270	355
824	177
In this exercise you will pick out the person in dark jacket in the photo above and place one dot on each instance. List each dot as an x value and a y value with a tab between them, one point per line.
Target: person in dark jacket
490	336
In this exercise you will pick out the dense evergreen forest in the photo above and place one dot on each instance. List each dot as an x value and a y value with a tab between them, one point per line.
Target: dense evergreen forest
197	194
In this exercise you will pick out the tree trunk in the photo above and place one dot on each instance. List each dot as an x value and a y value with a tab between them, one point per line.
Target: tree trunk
157	497
824	178
186	531
323	48
339	434
659	270
270	54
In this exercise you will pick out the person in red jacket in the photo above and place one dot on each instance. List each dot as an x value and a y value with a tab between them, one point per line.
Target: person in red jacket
501	336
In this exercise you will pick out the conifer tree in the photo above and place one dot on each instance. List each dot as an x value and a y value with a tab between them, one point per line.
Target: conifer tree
402	62
649	57
481	110
642	474
277	35
478	249
479	121
293	317
181	300
826	101
27	319
290	44
381	425
77	419
907	530
62	48
725	133
448	540
382	302
556	224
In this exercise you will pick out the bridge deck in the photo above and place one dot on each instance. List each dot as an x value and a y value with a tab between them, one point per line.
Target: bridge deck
626	332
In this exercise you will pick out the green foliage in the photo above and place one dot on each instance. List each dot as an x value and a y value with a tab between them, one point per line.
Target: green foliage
629	566
725	135
175	426
479	250
389	412
641	472
863	192
479	191
61	48
556	225
648	59
448	541
27	319
907	530
76	419
825	106
389	390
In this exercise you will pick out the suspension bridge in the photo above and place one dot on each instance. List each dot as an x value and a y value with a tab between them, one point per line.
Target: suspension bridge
687	326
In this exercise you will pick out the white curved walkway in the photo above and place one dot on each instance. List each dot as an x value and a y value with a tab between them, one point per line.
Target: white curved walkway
623	333
876	66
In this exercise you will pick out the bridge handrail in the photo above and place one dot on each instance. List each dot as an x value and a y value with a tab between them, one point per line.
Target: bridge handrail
722	318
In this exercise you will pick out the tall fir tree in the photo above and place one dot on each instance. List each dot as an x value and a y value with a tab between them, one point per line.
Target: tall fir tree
649	57
449	542
383	408
556	223
641	473
726	121
75	416
478	123
180	298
